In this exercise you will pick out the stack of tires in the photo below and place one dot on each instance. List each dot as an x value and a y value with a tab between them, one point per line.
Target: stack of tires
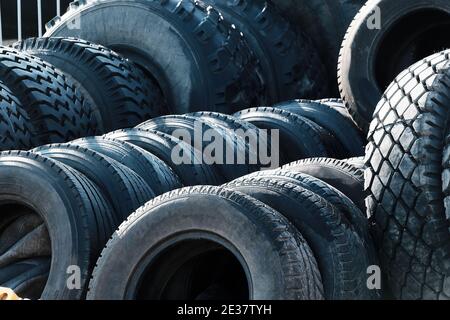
216	227
93	184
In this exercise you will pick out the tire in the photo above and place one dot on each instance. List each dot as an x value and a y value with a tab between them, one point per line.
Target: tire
255	139
325	22
200	62
192	172
278	259
341	202
205	136
339	174
340	253
71	206
371	59
120	93
349	140
16	131
120	186
57	110
158	175
407	180
299	138
289	61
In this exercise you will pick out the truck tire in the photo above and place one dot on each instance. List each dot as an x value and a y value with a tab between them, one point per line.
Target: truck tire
289	61
201	62
57	110
191	172
188	129
331	238
339	174
238	231
158	175
71	208
16	131
121	187
120	93
255	138
407	180
336	198
325	22
299	138
373	53
348	136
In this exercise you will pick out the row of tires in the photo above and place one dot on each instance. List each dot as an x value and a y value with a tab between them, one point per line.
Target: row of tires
62	202
78	89
56	89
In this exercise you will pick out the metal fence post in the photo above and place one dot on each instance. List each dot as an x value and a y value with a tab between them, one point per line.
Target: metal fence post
19	20
39	17
1	28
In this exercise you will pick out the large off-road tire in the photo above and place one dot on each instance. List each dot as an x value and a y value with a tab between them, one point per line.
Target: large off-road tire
219	146
349	139
337	173
158	175
385	38
339	251
289	61
199	61
57	110
71	207
299	137
200	238
325	22
407	180
119	91
120	186
191	172
16	131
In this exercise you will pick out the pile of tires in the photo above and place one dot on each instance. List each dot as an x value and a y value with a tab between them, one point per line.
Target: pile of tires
97	182
216	226
56	90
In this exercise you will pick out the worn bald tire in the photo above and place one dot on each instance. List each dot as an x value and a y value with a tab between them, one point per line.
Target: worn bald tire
220	147
325	22
120	93
289	61
71	206
191	172
200	62
373	55
57	110
122	187
158	175
339	251
349	141
299	137
16	131
240	231
339	174
407	182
